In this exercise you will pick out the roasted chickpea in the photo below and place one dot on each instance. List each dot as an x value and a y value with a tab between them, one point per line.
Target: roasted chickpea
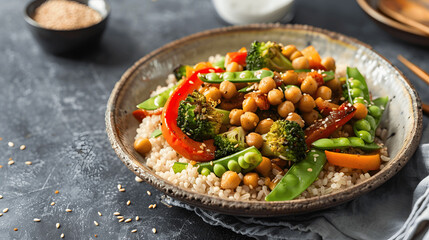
300	63
293	94
290	77
249	121
306	104
329	63
264	126
275	96
266	84
234	116
249	105
289	50
251	179
296	118
264	168
334	84
324	92
142	145
309	85
254	139
227	89
310	117
213	94
234	67
230	180
285	108
295	55
361	111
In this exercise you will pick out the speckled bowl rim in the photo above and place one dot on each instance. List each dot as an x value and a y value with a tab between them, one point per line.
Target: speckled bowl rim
261	208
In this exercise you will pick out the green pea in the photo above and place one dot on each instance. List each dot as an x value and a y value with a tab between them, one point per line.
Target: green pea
160	101
374	111
228	75
251	157
356	92
246	74
356	142
356	84
365	135
205	171
234	166
359	100
219	170
243	163
363	125
342	142
371	121
212	76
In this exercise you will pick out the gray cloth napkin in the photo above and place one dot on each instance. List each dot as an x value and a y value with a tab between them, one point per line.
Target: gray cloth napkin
399	209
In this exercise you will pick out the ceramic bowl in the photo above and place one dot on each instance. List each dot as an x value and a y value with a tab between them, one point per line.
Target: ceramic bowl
403	118
393	27
67	41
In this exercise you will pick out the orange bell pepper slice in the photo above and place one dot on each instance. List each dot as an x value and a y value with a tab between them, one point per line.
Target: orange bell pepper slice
364	162
313	58
238	57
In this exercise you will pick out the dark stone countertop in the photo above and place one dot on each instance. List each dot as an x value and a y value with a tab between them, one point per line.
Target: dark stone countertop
55	107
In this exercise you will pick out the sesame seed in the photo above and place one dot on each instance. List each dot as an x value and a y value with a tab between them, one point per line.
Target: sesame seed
96	223
122	190
128	203
22	147
1	214
99	214
309	169
5	210
1	166
119	186
10	144
121	220
119	217
15	229
57	225
128	220
68	210
148	193
137	218
52	203
138	179
56	191
28	163
1	197
154	230
37	220
62	235
134	230
11	162
116	213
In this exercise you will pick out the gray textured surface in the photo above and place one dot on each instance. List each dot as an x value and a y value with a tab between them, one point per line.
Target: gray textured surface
55	106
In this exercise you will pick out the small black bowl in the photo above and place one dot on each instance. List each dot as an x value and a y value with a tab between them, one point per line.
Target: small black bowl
67	41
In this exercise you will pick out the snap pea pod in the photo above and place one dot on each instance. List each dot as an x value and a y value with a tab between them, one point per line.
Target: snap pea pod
342	142
236	77
157	101
365	128
243	161
356	87
299	177
327	75
246	89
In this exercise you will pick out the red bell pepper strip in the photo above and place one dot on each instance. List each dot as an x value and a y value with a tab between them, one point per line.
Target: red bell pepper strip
139	114
238	57
325	127
179	141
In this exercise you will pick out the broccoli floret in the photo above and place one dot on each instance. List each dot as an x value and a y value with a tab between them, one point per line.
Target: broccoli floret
269	55
180	71
229	142
285	140
198	119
